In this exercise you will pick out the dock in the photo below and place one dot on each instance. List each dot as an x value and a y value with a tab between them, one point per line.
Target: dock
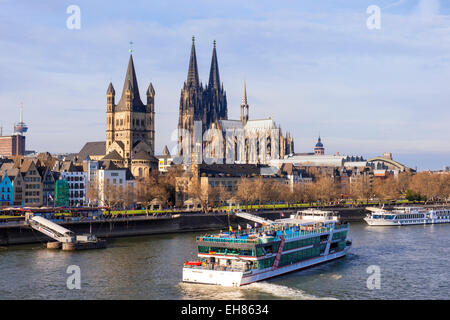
65	238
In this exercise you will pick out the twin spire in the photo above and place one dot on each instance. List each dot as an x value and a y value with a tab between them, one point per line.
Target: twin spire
193	76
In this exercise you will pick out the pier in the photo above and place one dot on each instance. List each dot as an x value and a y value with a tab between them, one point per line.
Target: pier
65	238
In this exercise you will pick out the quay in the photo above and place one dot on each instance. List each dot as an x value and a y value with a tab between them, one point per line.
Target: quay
19	232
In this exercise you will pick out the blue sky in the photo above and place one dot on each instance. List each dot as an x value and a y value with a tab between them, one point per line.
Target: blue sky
313	66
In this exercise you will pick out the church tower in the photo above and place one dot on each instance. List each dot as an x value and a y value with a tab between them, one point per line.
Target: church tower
191	100
244	107
216	99
130	123
319	150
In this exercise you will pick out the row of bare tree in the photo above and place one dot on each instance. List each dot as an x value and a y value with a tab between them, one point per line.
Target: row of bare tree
258	190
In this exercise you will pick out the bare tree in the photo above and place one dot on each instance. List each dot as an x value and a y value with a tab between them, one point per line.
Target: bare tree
245	191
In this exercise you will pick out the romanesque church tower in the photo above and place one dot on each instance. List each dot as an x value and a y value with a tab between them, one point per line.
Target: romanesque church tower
130	125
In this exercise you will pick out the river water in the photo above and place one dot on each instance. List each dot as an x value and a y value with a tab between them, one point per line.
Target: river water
413	263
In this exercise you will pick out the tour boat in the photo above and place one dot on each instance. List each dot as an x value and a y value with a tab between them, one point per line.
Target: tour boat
401	216
277	247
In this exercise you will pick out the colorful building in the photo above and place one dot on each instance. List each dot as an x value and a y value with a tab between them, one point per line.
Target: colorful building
6	190
61	193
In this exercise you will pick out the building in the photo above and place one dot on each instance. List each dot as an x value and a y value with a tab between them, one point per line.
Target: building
76	178
130	126
61	193
319	150
15	144
12	145
165	160
49	179
320	160
386	165
6	190
32	194
205	132
112	183
130	129
229	176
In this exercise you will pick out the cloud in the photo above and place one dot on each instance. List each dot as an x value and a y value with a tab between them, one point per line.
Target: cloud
311	67
428	8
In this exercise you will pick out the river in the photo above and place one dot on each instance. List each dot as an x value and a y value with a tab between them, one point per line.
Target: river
413	263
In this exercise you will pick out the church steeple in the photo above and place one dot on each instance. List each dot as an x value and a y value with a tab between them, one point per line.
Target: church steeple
131	84
193	78
214	78
244	106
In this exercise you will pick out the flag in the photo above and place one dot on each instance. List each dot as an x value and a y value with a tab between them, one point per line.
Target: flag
239	227
50	196
231	229
249	226
256	225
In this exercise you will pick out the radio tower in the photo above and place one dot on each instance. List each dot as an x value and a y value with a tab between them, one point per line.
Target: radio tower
20	128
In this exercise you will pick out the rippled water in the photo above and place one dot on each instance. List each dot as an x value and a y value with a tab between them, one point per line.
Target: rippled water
414	263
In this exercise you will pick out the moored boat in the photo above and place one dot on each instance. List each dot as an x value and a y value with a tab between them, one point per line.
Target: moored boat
401	216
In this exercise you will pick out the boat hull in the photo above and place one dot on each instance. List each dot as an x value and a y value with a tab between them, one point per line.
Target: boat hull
236	278
383	222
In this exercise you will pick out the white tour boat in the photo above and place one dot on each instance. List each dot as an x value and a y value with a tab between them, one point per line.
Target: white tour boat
400	216
238	258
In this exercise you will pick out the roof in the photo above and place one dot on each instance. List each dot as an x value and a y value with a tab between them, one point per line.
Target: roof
113	155
142	155
131	84
261	124
166	151
97	148
109	165
231	124
236	170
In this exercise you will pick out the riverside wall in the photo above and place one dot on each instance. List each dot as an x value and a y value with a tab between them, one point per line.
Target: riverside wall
19	233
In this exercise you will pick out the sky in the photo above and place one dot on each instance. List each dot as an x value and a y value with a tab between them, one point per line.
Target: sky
315	67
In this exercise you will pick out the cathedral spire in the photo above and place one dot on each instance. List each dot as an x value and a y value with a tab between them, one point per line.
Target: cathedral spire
193	78
214	78
244	106
244	95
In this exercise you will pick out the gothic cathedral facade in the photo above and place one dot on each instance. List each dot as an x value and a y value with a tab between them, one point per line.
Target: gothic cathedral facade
253	141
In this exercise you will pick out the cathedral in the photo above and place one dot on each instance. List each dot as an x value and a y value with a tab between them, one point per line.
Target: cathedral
130	127
205	132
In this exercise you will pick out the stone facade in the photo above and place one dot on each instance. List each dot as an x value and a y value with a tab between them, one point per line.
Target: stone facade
130	127
203	112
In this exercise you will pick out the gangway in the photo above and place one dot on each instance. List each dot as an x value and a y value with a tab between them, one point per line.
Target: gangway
50	228
254	218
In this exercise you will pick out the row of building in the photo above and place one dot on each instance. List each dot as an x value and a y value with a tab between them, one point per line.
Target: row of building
47	181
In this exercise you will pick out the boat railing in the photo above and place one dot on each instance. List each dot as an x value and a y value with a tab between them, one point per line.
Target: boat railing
226	240
287	235
217	268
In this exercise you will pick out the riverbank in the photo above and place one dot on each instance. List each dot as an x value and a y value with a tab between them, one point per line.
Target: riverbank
19	233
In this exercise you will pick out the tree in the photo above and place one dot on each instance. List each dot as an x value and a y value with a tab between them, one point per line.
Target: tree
325	189
92	192
245	191
198	192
